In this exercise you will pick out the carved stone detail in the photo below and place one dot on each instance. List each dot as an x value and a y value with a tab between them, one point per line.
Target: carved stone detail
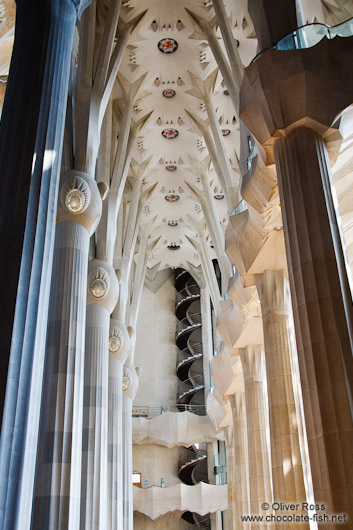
102	285
75	195
98	282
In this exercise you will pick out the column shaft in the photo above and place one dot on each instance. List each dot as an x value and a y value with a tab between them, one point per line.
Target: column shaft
127	464
115	453
287	469
231	478
58	486
324	349
94	505
31	137
253	361
241	455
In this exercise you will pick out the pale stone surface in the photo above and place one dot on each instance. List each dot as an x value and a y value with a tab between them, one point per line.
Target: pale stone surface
155	462
171	520
155	347
174	428
202	499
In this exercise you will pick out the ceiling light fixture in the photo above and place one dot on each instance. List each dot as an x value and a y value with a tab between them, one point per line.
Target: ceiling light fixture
170	133
167	45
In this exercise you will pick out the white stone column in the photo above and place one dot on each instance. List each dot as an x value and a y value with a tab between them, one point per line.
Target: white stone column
130	387
102	296
253	361
119	349
241	462
58	484
229	42
203	249
32	131
287	469
206	334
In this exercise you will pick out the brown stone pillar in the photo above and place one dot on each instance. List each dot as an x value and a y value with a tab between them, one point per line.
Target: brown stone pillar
285	97
287	468
324	348
272	20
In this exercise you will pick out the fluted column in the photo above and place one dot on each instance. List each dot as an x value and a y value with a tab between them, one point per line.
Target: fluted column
241	468
232	493
102	296
130	387
287	468
253	361
322	310
58	485
31	138
119	349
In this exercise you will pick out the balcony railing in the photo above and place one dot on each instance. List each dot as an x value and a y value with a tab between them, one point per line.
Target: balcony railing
309	35
151	412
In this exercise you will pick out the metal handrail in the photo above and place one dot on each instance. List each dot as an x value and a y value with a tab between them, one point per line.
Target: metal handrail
188	353
139	411
180	274
190	291
194	346
192	454
188	322
197	383
183	357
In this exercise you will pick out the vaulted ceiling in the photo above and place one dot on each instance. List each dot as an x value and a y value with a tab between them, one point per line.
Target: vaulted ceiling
167	48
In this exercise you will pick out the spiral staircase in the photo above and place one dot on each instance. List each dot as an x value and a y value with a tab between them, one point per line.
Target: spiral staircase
192	470
195	521
189	369
189	366
193	465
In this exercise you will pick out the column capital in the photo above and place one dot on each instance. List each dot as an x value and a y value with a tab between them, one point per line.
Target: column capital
80	200
273	289
237	402
120	340
253	361
284	90
102	285
131	378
